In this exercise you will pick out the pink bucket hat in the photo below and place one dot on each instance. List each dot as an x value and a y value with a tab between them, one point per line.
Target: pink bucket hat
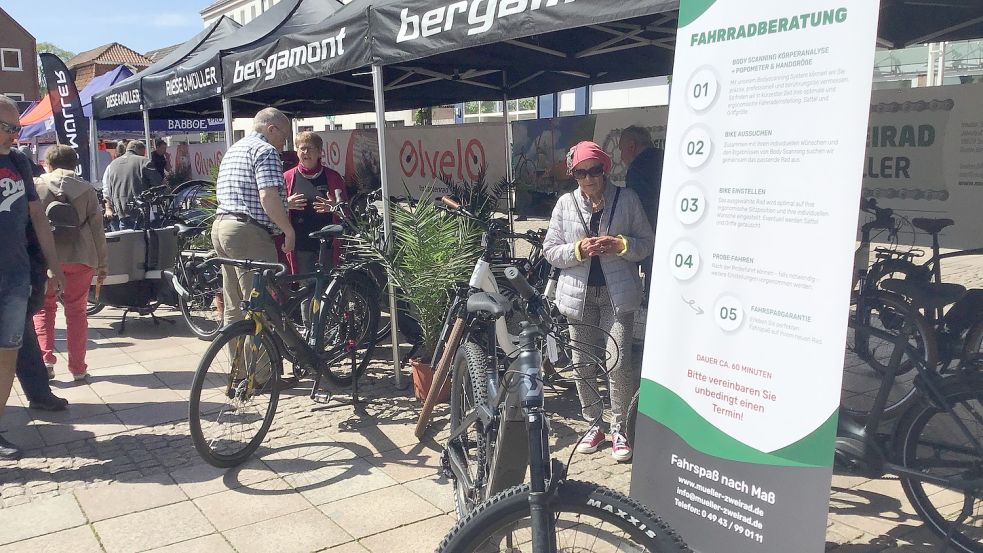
585	150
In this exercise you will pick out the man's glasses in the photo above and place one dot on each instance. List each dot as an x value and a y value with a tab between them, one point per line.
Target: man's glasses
8	128
594	171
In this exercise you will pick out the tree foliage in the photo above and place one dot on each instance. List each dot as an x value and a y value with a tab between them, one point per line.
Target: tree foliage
49	48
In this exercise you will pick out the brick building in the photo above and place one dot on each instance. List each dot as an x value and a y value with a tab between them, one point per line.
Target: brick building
18	61
95	62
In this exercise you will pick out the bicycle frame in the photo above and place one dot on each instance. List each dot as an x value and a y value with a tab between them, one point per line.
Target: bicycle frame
927	382
263	308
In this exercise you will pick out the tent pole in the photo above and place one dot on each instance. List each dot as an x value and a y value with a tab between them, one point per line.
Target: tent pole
380	124
227	115
509	200
93	157
146	130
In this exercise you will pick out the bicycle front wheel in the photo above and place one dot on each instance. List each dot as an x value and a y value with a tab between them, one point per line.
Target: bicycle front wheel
587	519
468	391
234	395
872	338
352	316
941	444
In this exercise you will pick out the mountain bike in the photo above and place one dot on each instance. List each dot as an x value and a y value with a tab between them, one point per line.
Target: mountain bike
487	276
550	513
235	389
936	446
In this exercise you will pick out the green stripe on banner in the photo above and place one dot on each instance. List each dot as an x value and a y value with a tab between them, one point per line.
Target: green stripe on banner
690	10
667	408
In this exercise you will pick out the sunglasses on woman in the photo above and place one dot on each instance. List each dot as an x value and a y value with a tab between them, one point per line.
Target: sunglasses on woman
594	171
8	128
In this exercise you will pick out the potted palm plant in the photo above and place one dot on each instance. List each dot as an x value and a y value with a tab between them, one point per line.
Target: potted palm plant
429	252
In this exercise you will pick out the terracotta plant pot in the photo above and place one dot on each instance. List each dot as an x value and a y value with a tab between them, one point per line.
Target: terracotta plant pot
423	380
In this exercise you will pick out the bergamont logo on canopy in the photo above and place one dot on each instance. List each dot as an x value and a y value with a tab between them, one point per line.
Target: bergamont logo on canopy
478	15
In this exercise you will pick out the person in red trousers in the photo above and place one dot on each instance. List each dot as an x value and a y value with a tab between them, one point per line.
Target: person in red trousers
81	245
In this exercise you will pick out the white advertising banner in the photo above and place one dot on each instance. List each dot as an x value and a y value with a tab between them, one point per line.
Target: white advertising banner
195	161
753	260
419	156
924	147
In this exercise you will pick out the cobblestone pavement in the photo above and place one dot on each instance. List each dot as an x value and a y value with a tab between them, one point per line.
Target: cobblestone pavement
117	472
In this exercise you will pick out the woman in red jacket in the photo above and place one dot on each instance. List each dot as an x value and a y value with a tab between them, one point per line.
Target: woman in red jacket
311	189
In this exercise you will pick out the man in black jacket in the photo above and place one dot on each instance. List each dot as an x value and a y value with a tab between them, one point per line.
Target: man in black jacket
126	177
644	176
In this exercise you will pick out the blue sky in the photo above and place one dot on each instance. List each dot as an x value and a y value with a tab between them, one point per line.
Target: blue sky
79	25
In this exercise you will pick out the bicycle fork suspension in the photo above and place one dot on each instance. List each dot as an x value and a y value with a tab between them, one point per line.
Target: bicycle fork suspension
542	522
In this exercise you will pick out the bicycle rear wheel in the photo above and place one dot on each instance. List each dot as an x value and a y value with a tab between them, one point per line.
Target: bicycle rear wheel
587	519
234	395
352	315
198	309
468	390
871	337
933	443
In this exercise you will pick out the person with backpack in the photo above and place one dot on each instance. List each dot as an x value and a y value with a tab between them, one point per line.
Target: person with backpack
73	210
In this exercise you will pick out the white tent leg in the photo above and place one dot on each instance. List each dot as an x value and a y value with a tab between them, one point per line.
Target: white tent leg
146	131
509	200
227	114
94	174
380	123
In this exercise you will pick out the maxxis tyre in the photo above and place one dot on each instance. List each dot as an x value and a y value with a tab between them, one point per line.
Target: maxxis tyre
512	505
467	391
956	389
223	338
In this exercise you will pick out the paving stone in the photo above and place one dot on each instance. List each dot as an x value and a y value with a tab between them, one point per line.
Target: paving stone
29	520
350	547
344	479
401	507
213	543
200	479
409	463
154	528
250	504
421	537
76	540
301	532
133	496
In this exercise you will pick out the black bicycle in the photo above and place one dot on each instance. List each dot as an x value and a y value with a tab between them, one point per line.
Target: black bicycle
936	446
502	425
236	386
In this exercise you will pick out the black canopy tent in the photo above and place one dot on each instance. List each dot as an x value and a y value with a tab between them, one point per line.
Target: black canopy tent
432	54
195	86
125	97
906	22
549	45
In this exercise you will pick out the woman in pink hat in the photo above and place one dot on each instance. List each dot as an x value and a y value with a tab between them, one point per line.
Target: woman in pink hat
597	235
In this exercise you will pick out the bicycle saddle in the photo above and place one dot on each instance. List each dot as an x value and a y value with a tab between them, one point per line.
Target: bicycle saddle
185	230
330	231
932	226
490	305
925	294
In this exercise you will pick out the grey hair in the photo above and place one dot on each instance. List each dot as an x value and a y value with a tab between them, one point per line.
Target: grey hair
137	146
640	136
6	101
270	116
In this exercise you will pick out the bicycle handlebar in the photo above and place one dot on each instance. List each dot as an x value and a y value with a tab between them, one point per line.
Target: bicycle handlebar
528	294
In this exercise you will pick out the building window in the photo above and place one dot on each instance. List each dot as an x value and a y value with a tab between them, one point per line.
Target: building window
242	16
238	135
371	125
252	12
364	125
10	59
15	96
305	128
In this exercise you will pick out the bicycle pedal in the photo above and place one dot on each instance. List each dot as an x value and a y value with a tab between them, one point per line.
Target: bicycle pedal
321	396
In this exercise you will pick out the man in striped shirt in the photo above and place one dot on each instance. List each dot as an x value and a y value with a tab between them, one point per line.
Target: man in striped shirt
251	204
